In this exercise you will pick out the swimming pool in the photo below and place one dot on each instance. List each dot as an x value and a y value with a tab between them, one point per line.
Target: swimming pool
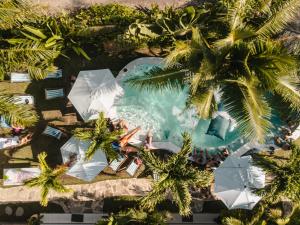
165	113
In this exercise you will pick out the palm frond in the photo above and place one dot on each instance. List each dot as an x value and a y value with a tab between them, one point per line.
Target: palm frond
93	147
14	12
31	56
16	114
44	194
42	162
151	161
288	89
181	52
204	102
244	102
182	197
83	133
160	78
283	13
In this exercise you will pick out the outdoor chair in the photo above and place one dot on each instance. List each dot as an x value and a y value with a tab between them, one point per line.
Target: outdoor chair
52	132
19	77
134	166
24	99
54	75
117	163
54	93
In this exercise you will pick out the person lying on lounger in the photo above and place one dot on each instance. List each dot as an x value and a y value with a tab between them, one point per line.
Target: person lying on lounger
126	138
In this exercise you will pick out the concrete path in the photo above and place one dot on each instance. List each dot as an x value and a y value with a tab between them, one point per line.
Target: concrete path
57	5
84	192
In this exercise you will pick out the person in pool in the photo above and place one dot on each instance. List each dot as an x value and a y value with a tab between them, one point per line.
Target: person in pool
148	140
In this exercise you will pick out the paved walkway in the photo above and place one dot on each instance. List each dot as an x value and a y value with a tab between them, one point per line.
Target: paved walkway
82	192
70	4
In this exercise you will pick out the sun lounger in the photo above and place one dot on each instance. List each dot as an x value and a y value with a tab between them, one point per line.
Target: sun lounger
133	166
19	77
9	142
17	176
117	163
54	75
52	132
54	93
4	123
24	99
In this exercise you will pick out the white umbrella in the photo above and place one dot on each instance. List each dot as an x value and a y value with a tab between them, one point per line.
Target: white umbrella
83	169
234	181
94	91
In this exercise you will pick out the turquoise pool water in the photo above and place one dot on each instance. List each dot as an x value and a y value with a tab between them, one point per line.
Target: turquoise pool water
165	113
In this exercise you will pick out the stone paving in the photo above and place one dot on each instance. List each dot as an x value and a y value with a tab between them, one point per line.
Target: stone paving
84	198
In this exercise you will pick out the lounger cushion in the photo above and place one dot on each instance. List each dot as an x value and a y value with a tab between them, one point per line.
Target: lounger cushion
218	127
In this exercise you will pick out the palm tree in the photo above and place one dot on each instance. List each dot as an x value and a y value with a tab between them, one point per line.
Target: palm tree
48	179
247	65
22	47
285	176
175	178
100	136
16	114
135	217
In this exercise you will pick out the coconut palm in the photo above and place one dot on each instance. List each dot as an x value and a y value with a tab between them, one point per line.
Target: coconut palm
246	65
285	176
16	114
175	178
100	136
135	217
48	179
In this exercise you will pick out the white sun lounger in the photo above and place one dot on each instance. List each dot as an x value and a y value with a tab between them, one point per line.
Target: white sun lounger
19	77
24	99
17	176
52	132
117	163
54	75
132	168
54	93
9	142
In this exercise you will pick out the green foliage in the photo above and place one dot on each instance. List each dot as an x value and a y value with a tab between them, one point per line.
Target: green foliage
48	179
135	217
286	176
263	214
244	61
101	138
14	12
16	114
175	178
98	15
